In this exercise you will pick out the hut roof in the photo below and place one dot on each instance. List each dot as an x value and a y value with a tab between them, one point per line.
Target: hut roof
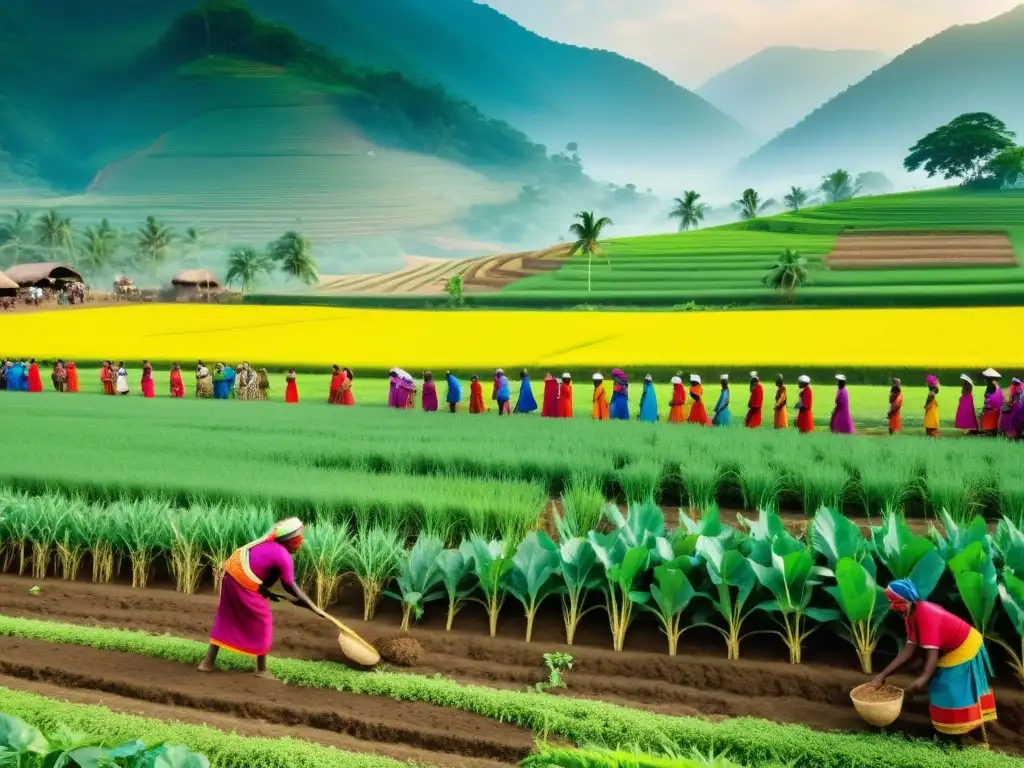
29	274
6	283
200	277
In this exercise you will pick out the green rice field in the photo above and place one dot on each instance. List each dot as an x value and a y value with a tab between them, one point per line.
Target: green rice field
725	265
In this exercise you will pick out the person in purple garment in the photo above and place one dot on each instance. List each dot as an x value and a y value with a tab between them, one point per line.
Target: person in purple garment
393	391
244	623
429	392
842	421
992	405
966	416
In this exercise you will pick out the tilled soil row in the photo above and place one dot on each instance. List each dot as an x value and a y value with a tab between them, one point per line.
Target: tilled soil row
698	681
447	735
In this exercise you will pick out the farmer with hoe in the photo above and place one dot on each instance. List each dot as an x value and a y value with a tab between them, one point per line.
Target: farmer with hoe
244	623
956	664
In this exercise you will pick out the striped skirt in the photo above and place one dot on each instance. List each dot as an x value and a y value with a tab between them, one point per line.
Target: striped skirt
959	697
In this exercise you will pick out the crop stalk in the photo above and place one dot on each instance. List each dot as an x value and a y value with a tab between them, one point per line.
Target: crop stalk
326	587
102	562
1016	658
371	596
865	639
70	560
573	612
620	615
41	553
406	616
141	558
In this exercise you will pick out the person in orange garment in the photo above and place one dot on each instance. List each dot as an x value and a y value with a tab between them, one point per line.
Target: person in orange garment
895	414
177	383
677	405
72	371
291	389
565	397
35	381
781	401
347	396
755	403
600	410
805	414
107	378
549	406
476	396
698	413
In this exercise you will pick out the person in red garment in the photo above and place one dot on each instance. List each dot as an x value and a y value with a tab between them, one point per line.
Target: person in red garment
549	409
565	397
148	385
35	381
177	383
291	390
698	411
476	395
755	403
334	395
72	371
804	412
107	378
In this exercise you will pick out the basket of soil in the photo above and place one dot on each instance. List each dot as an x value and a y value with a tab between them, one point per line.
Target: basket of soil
878	706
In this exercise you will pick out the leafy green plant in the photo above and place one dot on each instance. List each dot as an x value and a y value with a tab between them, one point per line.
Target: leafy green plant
419	577
701	476
975	576
958	537
557	663
534	575
835	537
373	556
907	556
791	579
580	575
669	596
323	557
639	481
187	548
732	583
455	567
864	607
1011	593
492	565
623	566
582	506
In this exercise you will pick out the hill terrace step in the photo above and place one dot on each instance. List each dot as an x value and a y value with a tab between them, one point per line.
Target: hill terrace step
497	272
926	249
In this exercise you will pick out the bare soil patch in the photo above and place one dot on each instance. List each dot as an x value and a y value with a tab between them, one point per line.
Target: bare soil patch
496	272
904	250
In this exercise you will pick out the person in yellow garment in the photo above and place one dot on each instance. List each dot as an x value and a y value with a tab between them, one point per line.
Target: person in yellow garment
931	408
244	623
956	666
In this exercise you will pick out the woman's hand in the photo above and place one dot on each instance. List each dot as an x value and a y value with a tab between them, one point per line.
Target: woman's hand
918	685
878	682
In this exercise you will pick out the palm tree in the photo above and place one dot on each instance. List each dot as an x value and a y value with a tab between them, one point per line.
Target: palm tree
99	246
245	264
153	241
689	212
750	204
587	232
787	274
17	237
55	233
294	254
838	186
796	199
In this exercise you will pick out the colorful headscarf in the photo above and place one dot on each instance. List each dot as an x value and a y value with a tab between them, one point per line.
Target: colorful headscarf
902	591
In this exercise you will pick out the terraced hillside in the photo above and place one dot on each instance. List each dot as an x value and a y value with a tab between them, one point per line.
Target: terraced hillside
726	265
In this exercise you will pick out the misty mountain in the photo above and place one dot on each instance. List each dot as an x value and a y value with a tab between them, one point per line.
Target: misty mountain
619	111
871	125
776	87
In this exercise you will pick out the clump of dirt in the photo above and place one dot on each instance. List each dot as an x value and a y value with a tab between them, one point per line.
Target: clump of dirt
401	650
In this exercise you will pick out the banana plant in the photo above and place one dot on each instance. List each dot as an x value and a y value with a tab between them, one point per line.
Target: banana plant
907	556
835	536
580	575
669	595
732	583
492	564
791	579
1011	593
419	578
768	533
534	575
957	537
864	607
455	568
623	565
1009	542
975	576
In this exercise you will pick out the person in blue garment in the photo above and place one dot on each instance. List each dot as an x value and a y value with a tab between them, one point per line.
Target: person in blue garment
648	401
722	417
619	406
502	392
220	387
526	403
17	379
454	395
229	381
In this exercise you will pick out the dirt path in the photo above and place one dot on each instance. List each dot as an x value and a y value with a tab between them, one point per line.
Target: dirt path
699	681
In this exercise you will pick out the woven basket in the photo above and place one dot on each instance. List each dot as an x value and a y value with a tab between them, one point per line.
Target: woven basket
878	713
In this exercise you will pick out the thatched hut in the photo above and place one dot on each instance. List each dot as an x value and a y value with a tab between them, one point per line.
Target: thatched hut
188	284
7	286
50	274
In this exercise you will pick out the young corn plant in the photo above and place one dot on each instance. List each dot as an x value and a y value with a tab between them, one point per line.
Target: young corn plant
17	532
791	579
219	530
419	578
144	533
188	550
455	569
534	575
580	575
102	537
864	607
46	514
1009	542
73	536
955	538
669	596
733	582
322	559
582	505
1011	593
623	566
492	565
373	559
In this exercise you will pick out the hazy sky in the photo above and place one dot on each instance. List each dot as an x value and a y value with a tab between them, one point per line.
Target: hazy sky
690	40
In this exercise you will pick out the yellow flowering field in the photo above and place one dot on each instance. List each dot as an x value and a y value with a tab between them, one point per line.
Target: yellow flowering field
375	338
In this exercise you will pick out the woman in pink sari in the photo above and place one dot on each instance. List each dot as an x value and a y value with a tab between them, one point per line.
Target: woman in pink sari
148	385
1011	405
244	623
429	392
842	420
966	415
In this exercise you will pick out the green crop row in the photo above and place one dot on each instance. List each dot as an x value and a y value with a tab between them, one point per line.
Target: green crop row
749	741
548	756
224	750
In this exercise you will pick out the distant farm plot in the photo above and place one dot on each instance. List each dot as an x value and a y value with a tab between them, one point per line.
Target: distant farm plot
970	243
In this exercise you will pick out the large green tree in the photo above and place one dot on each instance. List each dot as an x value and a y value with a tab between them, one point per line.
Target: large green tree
961	148
246	265
1006	167
750	204
293	255
796	198
153	242
689	210
787	274
99	248
17	238
587	232
56	234
838	186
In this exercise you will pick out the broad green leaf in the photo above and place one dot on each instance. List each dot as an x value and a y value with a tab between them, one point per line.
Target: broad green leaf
1009	541
19	736
822	615
975	576
1011	592
858	595
534	567
927	572
624	574
958	537
91	757
127	750
579	564
899	549
835	536
178	756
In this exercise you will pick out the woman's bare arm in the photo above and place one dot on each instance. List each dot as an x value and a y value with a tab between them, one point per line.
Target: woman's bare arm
905	655
931	662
